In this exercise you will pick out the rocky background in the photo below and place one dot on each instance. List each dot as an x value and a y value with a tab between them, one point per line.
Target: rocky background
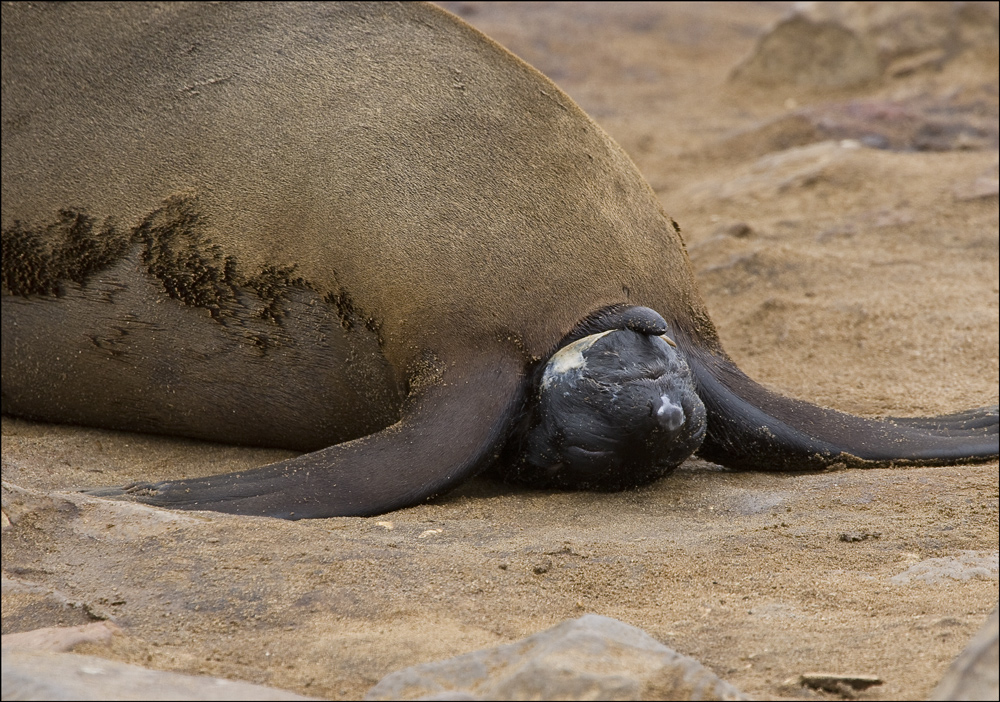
834	168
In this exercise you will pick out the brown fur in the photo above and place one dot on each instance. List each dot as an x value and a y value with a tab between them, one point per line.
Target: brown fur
452	190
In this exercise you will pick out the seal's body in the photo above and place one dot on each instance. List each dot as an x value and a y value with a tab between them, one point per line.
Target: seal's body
361	230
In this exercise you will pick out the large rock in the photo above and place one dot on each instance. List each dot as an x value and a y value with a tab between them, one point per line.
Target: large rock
911	36
62	639
823	45
975	674
802	52
44	675
592	657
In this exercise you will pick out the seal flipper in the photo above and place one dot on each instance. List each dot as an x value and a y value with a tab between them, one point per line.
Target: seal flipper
751	427
450	429
973	420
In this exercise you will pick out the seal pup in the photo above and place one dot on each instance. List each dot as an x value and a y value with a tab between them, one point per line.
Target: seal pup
367	232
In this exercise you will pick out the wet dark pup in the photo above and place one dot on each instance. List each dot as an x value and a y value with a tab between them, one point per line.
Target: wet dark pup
370	233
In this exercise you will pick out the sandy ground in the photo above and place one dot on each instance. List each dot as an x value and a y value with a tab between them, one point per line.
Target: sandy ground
860	278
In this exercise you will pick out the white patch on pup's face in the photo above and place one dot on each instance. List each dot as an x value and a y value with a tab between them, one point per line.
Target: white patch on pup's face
569	359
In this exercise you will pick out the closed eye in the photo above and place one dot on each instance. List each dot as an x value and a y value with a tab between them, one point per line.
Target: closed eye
580	451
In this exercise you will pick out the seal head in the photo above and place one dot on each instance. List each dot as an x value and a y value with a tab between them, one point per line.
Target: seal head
613	410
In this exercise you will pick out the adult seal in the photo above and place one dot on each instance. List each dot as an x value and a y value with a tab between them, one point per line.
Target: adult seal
367	232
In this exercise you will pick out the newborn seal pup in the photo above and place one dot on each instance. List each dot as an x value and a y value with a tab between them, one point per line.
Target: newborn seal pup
370	233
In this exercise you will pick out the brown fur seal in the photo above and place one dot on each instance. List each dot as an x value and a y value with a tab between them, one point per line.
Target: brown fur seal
368	232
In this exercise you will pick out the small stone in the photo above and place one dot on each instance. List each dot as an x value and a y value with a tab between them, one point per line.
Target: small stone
852	536
932	58
831	682
737	230
543	566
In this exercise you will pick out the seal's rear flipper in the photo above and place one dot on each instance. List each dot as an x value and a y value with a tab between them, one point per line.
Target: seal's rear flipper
972	421
751	427
452	426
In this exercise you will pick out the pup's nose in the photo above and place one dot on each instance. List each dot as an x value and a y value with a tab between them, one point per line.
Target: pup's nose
670	416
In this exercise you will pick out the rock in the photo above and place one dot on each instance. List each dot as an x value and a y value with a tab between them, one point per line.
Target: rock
852	536
831	682
956	122
28	605
44	675
592	657
542	566
974	674
802	52
917	124
777	174
970	564
62	639
737	230
845	44
911	36
980	189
